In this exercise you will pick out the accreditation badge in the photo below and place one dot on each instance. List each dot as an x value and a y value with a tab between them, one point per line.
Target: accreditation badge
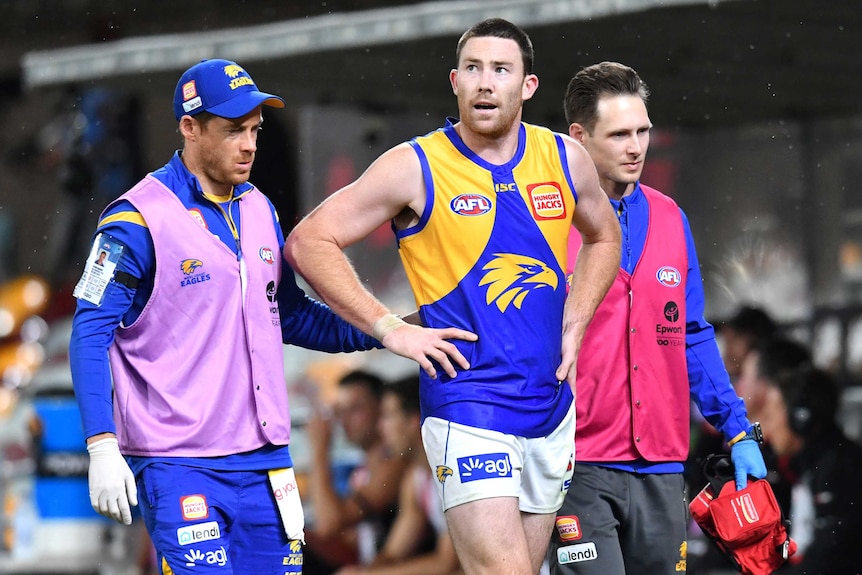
99	269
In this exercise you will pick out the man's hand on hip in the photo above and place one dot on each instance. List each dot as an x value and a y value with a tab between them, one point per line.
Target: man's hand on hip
423	344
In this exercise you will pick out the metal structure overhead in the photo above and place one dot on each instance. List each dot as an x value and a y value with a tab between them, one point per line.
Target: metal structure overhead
710	63
338	31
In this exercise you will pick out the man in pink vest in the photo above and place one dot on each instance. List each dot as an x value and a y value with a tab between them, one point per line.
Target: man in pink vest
647	353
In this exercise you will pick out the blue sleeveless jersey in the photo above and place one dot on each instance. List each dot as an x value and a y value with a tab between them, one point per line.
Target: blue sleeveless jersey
488	255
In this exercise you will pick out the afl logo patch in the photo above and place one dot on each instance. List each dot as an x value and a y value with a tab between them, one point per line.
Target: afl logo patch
668	276
267	255
470	205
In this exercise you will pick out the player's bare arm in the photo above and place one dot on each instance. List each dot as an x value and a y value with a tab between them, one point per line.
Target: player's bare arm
391	185
598	261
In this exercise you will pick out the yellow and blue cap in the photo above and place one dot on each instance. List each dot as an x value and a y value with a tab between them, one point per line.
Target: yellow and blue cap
220	87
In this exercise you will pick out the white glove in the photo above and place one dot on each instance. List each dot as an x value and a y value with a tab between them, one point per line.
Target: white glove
112	484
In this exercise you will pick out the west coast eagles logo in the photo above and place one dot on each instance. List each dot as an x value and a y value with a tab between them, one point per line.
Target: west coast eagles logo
189	266
193	272
443	472
233	70
511	277
239	76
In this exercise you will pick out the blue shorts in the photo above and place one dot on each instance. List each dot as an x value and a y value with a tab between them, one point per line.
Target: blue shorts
206	521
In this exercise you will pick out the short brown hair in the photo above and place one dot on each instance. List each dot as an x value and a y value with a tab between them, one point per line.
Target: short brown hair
499	28
588	86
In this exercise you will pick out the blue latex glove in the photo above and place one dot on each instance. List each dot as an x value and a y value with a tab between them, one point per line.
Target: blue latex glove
747	460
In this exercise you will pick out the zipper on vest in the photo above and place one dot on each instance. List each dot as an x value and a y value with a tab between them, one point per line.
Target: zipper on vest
233	228
228	217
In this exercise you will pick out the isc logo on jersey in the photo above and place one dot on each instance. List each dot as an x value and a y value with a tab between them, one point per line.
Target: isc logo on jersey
484	466
470	205
668	276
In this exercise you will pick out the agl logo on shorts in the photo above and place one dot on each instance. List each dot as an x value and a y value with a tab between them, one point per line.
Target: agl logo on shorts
484	466
217	557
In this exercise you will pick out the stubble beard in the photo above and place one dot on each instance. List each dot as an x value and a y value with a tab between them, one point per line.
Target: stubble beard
492	128
221	172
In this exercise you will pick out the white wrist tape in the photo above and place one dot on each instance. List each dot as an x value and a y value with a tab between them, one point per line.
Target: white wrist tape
386	325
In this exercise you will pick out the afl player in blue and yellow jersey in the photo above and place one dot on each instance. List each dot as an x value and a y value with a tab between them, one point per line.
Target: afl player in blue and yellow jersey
482	210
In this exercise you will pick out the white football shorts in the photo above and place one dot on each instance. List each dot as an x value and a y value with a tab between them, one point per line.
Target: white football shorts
471	463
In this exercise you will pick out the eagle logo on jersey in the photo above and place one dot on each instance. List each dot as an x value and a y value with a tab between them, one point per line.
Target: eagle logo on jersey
189	266
443	472
511	277
233	70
